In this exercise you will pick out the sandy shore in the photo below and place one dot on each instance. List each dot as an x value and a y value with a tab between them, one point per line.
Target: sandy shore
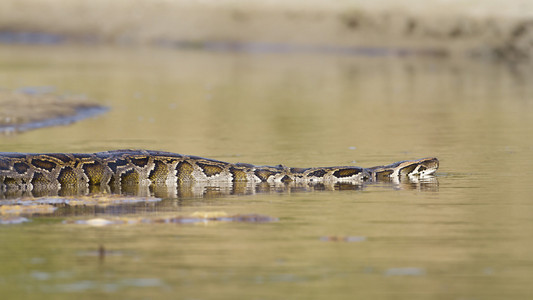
493	28
32	108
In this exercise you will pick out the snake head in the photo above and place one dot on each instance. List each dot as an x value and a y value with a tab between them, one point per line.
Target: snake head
421	168
412	168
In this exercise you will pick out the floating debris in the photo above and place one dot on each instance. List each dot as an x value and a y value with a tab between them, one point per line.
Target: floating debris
91	200
245	218
101	252
97	222
107	200
197	217
48	205
209	214
348	239
12	220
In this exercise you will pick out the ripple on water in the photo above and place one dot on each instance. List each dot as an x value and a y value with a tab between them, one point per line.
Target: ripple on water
88	285
408	271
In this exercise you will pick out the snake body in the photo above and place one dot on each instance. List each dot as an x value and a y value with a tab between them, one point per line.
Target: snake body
29	171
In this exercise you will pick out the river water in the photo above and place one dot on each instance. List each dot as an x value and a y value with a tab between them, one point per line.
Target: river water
465	236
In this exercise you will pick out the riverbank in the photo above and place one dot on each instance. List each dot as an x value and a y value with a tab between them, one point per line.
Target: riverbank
37	107
495	28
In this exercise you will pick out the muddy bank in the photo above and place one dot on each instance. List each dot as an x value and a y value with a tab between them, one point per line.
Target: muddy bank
494	28
32	108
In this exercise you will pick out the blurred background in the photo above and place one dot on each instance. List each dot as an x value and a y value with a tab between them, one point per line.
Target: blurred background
494	28
303	83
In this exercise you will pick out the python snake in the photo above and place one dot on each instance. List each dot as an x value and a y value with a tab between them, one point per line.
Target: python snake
30	171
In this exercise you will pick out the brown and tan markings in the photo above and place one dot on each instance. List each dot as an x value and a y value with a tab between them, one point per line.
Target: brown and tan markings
27	171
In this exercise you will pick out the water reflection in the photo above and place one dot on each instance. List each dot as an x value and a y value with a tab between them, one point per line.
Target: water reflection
138	192
17	205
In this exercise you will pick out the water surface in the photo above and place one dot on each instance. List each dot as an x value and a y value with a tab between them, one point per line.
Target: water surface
466	237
